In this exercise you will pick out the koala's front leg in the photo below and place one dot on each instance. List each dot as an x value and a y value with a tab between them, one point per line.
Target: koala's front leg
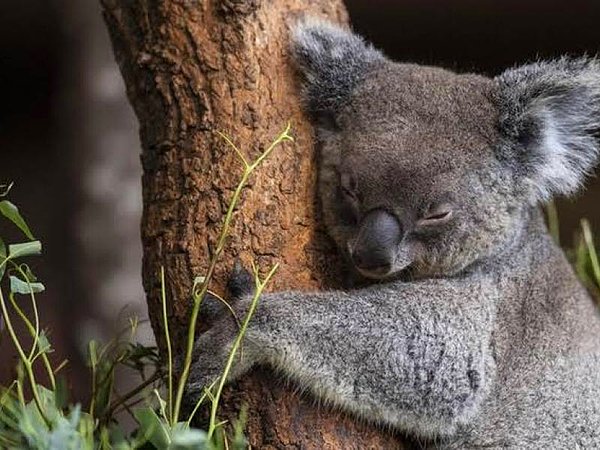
211	352
411	355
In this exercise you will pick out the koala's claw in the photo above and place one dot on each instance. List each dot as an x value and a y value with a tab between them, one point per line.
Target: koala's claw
241	281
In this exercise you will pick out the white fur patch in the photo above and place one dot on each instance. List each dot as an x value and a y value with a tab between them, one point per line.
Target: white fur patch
557	172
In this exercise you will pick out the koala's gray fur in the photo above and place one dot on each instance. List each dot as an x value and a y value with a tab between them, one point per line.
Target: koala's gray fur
559	102
478	333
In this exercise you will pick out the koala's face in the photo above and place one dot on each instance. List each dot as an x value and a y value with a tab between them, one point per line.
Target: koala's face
425	169
413	175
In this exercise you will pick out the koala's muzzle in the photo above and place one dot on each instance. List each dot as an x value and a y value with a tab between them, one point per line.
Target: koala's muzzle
375	247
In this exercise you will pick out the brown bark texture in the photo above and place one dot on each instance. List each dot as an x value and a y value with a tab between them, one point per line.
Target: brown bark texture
193	68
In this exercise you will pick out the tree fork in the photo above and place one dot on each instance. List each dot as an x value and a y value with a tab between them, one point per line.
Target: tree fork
192	69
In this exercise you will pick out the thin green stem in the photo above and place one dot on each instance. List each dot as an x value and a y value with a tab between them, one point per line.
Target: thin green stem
61	366
235	148
236	344
93	373
132	393
248	169
198	300
589	242
284	136
31	330
199	402
36	316
34	330
20	392
227	305
4	262
23	357
5	188
169	349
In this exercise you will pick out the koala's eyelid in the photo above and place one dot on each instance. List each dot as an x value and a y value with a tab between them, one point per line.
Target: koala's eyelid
437	215
348	184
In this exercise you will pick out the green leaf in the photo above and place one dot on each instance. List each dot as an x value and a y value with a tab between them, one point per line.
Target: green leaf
122	445
116	437
43	343
92	353
2	258
189	439
33	426
105	377
61	393
18	286
29	275
86	427
11	212
24	249
151	427
65	434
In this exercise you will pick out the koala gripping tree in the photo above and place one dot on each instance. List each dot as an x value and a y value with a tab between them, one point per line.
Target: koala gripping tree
193	69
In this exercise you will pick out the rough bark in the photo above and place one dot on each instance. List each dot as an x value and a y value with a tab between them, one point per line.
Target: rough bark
194	68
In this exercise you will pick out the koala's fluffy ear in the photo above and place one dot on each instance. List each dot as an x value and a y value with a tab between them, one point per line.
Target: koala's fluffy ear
332	61
550	119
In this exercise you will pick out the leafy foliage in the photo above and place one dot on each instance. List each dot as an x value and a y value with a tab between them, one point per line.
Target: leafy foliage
47	421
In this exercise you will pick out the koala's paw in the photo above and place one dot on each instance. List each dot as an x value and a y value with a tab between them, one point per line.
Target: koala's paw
211	352
241	282
213	347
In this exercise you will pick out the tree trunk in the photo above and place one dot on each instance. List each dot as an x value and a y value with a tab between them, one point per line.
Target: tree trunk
192	69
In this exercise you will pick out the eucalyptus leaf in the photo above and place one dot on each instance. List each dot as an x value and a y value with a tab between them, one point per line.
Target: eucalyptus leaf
61	393
104	387
189	439
25	249
43	343
11	212
151	427
29	275
86	427
116	436
18	286
65	434
92	353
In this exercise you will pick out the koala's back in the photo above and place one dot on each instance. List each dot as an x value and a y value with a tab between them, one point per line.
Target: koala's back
547	351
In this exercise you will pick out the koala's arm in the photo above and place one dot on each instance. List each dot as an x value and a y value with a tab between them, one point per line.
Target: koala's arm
412	355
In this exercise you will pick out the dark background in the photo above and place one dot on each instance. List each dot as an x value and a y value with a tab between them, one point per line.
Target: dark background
69	141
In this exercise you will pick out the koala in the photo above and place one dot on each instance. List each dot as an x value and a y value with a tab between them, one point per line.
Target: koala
474	331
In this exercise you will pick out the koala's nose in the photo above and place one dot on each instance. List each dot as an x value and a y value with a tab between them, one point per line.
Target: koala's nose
375	247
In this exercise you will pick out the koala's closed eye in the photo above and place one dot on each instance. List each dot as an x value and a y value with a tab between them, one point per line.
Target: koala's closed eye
436	214
348	186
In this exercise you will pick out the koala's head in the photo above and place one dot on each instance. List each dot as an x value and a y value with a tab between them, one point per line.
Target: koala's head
426	168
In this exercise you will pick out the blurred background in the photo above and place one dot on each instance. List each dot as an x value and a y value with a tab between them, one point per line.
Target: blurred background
68	138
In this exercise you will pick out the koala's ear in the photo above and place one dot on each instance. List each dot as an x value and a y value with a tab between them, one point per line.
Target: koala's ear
550	119
332	61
